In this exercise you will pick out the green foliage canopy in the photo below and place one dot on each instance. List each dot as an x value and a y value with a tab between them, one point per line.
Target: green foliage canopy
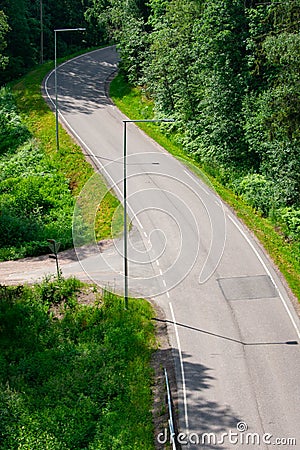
4	28
228	71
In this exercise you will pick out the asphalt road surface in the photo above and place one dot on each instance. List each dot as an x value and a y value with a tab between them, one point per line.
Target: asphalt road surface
232	326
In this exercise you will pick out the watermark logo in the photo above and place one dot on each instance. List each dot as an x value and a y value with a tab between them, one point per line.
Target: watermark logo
239	437
177	225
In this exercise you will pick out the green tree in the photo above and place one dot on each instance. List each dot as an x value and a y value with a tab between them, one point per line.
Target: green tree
222	73
169	65
24	36
124	23
272	105
4	28
19	50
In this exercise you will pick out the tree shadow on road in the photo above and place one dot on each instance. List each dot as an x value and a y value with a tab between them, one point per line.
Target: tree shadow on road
204	416
82	91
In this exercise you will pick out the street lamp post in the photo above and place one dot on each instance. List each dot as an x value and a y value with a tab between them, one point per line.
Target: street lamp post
55	78
41	33
125	197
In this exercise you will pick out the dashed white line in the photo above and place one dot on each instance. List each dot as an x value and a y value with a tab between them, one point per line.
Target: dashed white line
164	282
139	222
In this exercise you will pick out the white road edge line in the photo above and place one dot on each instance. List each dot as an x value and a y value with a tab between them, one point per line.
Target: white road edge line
101	166
269	273
182	369
200	185
96	160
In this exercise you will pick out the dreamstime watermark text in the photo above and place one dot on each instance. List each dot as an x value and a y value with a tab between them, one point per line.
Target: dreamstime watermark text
239	436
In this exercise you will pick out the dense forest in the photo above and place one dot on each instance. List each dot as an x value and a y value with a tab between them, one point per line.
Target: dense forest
27	37
226	70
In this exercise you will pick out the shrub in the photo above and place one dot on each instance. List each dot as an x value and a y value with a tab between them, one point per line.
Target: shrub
35	204
289	219
12	131
257	191
77	380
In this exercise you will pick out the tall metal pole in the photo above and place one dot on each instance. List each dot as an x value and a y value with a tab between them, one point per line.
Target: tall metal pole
125	219
125	198
42	32
56	102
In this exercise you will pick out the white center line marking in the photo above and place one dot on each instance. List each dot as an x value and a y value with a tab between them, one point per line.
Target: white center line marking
139	222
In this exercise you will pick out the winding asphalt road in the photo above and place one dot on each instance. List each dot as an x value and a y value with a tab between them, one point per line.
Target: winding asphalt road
232	326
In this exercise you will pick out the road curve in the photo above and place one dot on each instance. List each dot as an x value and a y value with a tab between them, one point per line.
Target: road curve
232	327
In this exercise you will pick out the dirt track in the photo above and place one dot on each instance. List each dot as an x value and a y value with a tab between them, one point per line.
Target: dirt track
30	270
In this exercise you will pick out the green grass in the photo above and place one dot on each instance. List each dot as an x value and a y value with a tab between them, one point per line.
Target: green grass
285	253
74	374
69	161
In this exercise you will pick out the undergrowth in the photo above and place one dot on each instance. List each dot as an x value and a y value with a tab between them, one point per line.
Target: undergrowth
74	374
38	185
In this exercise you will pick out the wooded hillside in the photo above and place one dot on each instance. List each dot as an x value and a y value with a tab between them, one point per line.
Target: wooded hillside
226	70
27	26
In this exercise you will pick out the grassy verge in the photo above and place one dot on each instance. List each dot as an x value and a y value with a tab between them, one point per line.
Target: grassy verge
74	370
40	121
285	254
69	164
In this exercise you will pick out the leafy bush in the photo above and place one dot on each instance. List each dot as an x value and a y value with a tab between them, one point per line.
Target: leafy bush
35	200
257	191
75	380
12	131
55	290
17	229
289	219
32	209
28	160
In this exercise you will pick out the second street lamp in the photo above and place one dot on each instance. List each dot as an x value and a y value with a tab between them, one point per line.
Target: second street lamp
55	78
125	197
